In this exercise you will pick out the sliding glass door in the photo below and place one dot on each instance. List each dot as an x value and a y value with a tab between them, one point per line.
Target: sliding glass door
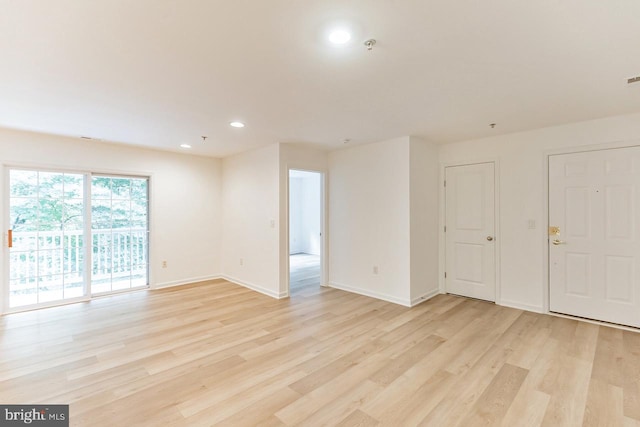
74	235
46	237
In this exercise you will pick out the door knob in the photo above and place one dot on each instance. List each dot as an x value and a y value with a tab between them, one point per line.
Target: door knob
489	238
557	242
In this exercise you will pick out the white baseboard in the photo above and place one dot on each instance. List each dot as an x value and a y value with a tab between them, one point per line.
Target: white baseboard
254	287
185	281
425	297
520	306
367	293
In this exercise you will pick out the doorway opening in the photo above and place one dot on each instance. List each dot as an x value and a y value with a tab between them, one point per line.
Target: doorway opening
305	231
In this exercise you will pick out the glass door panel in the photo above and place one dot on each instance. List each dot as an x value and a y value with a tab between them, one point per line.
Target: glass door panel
119	233
46	219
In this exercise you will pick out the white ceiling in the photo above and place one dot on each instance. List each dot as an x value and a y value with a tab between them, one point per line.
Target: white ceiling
159	73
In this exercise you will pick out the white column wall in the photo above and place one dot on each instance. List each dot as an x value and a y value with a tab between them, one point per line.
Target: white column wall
369	217
424	188
250	237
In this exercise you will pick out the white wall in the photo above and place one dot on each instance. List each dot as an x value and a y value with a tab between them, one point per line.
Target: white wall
424	188
251	212
185	210
206	214
523	196
369	214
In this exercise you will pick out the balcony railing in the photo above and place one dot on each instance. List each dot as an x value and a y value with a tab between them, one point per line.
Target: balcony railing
56	259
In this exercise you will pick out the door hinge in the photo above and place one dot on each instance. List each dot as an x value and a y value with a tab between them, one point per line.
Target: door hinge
445	228
445	182
445	274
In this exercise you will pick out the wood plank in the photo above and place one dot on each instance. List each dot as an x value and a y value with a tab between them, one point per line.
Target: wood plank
494	402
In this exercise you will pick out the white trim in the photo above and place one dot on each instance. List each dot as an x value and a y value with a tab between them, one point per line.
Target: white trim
51	304
324	217
254	287
74	169
521	306
5	215
592	147
425	297
367	293
183	282
595	322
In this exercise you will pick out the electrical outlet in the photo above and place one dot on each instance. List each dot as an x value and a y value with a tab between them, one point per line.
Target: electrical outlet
531	224
273	223
164	264
375	269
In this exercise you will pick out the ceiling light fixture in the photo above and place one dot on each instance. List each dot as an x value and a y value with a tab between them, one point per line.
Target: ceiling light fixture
339	37
185	146
236	124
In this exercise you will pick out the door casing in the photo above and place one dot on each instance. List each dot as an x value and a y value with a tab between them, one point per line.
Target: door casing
323	226
546	205
545	201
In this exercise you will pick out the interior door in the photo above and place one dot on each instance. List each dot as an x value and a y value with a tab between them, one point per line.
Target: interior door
594	251
470	231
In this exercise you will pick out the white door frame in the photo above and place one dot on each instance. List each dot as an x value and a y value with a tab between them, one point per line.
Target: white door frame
88	173
442	220
546	301
324	270
5	215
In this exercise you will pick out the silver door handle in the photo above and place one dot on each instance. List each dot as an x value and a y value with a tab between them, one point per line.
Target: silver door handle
489	238
557	242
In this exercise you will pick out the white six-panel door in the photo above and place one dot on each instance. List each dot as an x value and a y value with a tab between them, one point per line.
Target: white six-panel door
470	231
594	261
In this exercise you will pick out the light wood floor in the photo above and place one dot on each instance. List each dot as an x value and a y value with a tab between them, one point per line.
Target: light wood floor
217	353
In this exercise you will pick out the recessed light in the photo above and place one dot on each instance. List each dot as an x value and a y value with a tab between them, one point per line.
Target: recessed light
185	146
339	37
237	124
